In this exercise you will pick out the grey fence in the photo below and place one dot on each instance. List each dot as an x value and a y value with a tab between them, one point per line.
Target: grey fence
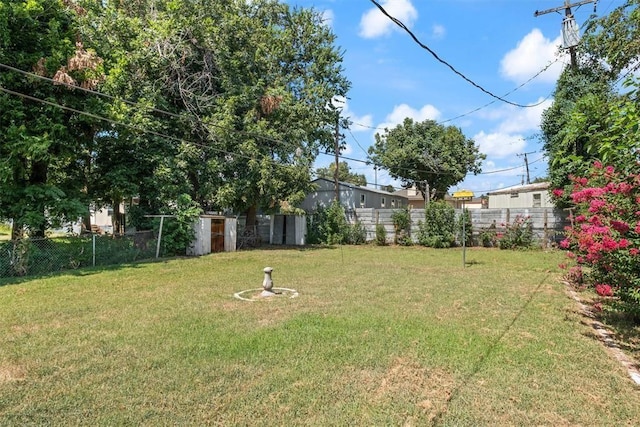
26	257
548	223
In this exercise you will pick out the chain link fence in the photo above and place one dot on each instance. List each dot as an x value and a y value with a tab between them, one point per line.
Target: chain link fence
28	257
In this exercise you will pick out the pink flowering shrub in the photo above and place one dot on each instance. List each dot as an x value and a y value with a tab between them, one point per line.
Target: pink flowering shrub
605	236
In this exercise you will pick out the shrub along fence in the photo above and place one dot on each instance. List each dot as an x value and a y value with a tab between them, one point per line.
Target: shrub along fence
547	223
28	257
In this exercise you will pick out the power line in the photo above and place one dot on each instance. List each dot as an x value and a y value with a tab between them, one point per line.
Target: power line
134	127
451	67
182	140
545	68
134	104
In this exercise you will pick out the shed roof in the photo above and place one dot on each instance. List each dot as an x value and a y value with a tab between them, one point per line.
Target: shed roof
350	185
527	188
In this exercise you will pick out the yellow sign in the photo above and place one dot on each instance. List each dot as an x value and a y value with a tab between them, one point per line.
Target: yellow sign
463	195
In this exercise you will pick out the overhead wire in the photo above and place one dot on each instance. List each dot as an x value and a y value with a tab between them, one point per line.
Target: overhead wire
182	140
168	113
400	24
130	126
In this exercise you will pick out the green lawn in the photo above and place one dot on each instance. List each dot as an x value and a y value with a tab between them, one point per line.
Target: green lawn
378	336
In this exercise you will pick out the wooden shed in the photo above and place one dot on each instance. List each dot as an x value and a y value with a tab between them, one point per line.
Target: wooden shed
213	233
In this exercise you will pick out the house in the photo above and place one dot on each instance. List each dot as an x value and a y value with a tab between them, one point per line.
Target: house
415	200
351	196
474	203
521	196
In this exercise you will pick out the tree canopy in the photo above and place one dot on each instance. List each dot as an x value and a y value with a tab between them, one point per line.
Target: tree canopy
43	146
344	174
228	102
426	153
591	118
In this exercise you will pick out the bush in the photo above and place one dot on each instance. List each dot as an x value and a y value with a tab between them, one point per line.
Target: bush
177	231
329	226
438	228
518	235
381	235
465	219
402	224
489	236
605	236
357	234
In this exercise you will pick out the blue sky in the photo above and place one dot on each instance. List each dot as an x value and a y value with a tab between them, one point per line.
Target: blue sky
498	44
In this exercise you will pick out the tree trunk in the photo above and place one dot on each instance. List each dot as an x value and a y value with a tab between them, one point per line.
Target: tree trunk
38	176
86	223
17	230
251	217
117	218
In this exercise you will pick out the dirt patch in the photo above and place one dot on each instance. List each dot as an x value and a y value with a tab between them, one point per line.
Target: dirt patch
430	389
11	373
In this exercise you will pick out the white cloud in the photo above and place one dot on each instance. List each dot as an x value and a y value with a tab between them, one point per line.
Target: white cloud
524	119
438	31
327	17
532	54
358	123
402	111
375	24
499	145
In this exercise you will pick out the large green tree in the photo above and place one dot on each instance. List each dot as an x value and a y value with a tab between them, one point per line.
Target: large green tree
614	39
42	167
247	87
425	154
589	119
344	174
581	104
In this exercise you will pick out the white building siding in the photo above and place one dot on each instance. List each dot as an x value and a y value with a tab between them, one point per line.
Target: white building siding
521	197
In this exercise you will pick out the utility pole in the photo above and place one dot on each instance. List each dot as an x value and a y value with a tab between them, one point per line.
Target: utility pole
337	151
526	164
570	32
375	171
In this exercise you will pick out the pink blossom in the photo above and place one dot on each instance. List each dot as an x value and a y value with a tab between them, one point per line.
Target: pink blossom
619	226
604	290
609	169
634	251
558	192
596	205
564	244
597	165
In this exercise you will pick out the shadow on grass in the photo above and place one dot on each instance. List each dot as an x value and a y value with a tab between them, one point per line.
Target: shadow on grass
625	331
81	272
305	248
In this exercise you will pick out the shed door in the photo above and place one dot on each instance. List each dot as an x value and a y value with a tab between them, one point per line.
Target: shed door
217	235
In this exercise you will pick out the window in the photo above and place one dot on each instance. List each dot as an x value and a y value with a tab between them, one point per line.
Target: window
362	199
514	195
383	201
393	203
537	200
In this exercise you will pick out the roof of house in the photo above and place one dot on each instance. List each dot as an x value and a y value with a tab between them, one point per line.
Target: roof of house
350	185
409	193
538	186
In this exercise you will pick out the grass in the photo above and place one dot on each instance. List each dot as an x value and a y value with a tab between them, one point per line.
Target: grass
377	336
